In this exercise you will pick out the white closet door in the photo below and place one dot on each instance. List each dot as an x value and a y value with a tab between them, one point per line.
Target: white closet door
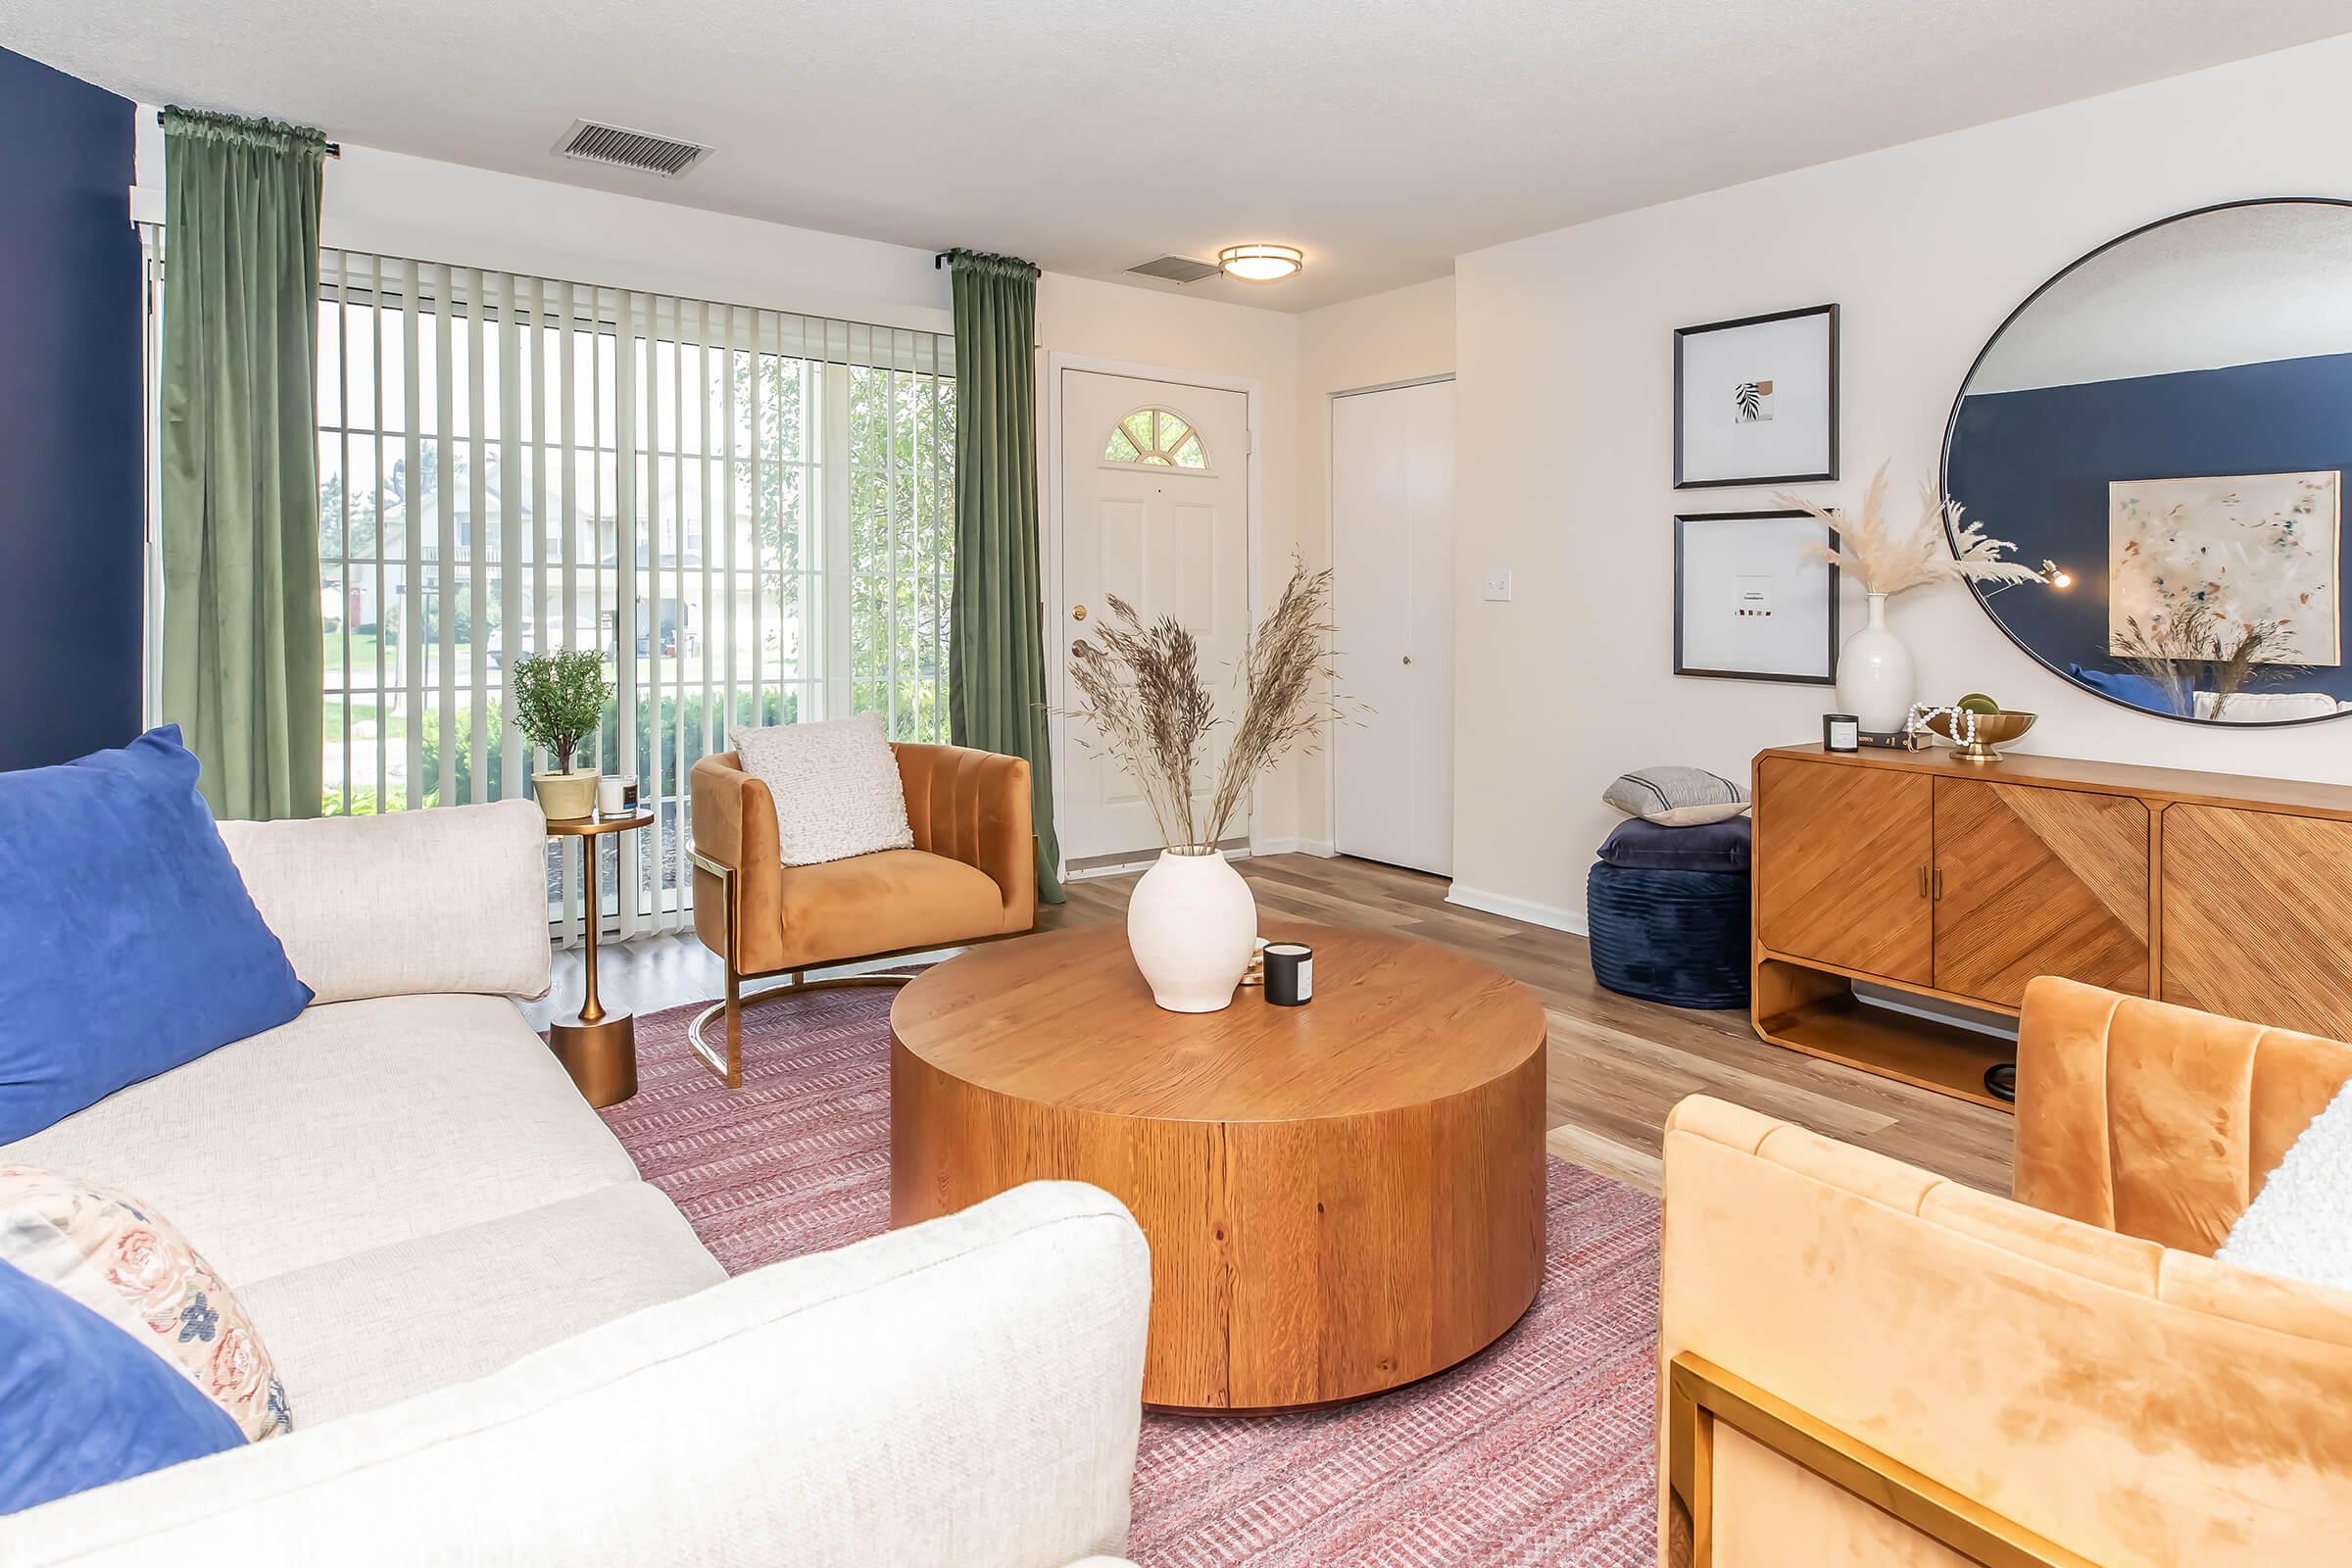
1392	520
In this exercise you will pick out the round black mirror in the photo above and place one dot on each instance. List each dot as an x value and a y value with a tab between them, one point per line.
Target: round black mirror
2164	426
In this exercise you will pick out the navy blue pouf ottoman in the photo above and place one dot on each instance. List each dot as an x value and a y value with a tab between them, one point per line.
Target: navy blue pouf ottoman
1668	910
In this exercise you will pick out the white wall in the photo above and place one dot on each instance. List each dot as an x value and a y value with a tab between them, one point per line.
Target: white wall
1566	436
401	206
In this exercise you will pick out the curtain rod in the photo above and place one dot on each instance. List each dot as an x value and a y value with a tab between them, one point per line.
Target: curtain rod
335	149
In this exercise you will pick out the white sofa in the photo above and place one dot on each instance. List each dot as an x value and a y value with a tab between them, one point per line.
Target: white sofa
502	1347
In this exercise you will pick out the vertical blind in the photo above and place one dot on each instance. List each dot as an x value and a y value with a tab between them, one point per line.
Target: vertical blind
750	513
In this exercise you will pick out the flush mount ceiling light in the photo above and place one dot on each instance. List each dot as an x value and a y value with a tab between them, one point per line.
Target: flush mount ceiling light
1260	264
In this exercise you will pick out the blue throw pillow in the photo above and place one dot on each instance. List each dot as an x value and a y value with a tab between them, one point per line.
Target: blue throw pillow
1654	846
83	1403
131	944
2123	686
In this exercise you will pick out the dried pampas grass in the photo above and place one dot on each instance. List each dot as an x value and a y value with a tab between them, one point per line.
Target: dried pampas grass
1890	563
1141	688
2196	646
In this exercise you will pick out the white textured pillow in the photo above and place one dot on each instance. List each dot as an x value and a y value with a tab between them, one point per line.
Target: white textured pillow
2299	1226
836	787
2266	707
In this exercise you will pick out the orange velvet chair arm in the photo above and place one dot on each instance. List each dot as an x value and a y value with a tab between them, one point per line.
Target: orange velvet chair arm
735	824
2127	1403
2157	1121
973	806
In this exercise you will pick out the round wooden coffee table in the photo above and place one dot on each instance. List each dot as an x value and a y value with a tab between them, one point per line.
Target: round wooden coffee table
1339	1198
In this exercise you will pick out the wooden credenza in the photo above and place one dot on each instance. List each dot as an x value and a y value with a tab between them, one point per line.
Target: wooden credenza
1962	881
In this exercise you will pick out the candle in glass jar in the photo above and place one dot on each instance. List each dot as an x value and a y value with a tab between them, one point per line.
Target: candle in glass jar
1290	973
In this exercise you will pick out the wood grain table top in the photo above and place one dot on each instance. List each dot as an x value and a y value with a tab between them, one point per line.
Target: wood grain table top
1065	1019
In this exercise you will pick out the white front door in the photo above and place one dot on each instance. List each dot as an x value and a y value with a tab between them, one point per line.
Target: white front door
1391	553
1155	509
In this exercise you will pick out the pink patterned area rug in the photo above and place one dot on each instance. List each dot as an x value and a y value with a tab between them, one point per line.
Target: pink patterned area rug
1540	1451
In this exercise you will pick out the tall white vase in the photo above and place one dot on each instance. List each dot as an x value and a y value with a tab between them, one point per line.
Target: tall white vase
1874	679
1191	925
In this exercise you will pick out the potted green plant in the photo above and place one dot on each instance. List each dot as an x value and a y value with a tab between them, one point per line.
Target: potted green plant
559	700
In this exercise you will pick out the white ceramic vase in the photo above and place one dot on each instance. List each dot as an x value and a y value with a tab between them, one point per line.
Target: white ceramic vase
1191	925
1875	680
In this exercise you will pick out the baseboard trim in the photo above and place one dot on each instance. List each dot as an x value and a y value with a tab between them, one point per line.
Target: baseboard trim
1319	848
1552	916
1235	850
1091	873
1121	863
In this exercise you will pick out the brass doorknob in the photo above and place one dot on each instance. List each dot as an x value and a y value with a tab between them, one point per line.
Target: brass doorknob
1077	648
1079	613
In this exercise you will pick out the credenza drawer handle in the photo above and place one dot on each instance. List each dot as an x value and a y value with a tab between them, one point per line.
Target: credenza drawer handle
1923	881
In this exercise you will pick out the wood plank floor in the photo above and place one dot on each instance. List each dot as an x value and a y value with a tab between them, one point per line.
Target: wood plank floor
1618	1065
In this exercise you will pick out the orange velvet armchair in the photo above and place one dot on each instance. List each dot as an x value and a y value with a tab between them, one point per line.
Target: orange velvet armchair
1862	1363
971	875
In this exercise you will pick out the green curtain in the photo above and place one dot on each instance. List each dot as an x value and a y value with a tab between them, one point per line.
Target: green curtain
243	645
996	633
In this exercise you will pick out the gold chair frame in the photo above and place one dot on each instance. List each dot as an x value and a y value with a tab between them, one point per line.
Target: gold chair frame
727	1064
1700	1394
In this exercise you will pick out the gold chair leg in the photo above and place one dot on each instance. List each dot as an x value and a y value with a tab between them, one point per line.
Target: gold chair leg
729	1068
726	1067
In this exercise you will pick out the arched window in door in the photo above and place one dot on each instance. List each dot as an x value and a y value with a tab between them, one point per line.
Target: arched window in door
1156	438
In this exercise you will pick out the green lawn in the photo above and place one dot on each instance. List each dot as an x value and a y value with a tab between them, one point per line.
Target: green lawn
362	651
361	713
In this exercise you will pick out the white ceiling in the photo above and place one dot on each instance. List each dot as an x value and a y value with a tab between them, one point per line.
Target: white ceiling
1385	136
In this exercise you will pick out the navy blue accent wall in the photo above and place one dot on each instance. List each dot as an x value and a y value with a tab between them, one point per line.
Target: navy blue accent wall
2034	465
72	447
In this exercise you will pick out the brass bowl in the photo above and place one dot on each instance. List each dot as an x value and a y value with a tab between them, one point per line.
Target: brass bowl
1992	729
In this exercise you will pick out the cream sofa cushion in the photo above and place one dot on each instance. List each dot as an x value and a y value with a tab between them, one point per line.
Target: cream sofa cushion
454	898
834	785
356	1125
965	1392
363	1331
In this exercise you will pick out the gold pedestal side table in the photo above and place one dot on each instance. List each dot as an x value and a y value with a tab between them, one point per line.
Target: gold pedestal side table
596	1046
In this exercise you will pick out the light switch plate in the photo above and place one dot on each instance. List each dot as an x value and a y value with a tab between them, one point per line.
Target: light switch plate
1498	585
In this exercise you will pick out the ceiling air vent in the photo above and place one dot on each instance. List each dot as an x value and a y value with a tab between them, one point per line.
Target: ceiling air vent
1176	270
629	148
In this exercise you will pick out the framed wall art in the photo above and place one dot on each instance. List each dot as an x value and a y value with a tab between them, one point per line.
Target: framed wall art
1755	400
2226	560
1751	600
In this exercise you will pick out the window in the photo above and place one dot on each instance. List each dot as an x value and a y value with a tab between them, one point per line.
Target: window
750	513
1156	438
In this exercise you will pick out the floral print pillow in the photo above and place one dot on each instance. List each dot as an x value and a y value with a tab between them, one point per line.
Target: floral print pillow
132	1267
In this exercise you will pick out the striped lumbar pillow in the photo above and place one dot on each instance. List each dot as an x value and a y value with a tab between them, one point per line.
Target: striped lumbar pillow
1676	796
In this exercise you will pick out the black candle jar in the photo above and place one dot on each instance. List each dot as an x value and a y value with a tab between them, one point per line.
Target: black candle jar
1290	973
